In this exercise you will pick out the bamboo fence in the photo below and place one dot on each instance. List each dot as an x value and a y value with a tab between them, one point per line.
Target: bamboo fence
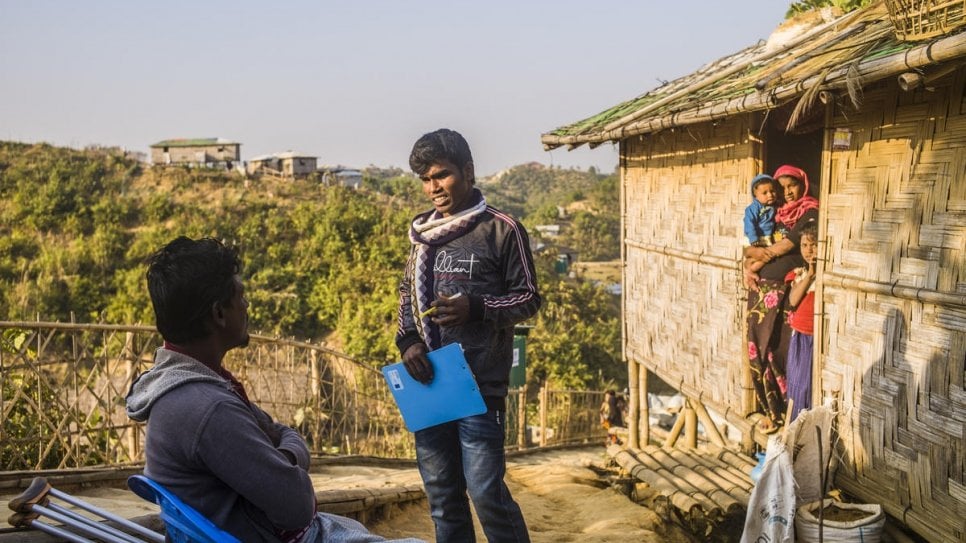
63	387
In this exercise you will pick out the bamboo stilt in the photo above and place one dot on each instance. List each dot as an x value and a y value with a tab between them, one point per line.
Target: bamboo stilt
645	417
634	410
544	395
690	425
675	433
709	426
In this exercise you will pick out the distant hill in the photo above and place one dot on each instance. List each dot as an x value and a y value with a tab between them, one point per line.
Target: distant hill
584	204
534	189
320	261
77	226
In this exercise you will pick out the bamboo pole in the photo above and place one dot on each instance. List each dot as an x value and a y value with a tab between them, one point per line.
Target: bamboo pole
709	426
645	417
690	425
680	462
40	325
721	476
656	479
679	478
701	258
130	366
924	295
805	54
731	477
633	368
634	410
672	436
544	398
522	418
316	377
910	81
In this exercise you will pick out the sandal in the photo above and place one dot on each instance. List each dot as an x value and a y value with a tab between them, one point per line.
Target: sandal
767	427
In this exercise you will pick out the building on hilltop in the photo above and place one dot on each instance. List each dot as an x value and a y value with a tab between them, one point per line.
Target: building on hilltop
548	230
876	117
341	175
287	164
197	152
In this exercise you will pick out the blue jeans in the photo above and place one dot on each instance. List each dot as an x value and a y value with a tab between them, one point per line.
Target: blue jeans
329	528
467	456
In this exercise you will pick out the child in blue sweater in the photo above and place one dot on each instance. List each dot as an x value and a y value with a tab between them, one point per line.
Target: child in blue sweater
760	214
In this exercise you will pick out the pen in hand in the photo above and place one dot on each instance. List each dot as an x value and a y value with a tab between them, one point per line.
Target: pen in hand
432	310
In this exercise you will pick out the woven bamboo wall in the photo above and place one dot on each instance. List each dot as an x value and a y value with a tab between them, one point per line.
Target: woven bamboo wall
892	293
685	193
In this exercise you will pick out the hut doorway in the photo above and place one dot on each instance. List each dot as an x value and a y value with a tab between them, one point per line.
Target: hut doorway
800	146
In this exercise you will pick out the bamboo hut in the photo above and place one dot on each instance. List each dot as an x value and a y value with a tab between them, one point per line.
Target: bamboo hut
871	104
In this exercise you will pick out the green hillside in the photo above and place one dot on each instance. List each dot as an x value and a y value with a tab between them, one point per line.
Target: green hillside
584	204
320	262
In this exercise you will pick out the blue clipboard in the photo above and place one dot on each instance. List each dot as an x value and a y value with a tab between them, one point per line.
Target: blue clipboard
452	394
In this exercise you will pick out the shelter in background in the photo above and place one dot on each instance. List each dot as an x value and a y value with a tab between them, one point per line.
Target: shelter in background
879	123
200	152
287	164
548	230
341	175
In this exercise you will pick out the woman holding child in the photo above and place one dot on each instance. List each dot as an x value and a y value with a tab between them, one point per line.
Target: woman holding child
765	270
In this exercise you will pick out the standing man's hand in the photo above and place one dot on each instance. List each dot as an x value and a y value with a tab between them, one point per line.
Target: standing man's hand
452	311
416	363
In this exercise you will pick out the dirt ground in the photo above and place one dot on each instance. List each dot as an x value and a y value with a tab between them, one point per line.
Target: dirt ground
565	496
563	499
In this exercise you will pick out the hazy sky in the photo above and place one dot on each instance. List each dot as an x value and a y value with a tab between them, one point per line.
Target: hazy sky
353	82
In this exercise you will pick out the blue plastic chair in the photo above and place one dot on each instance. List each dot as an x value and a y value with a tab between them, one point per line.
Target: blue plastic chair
182	522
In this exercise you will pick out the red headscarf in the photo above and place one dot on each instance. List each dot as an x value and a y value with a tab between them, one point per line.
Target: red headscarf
789	213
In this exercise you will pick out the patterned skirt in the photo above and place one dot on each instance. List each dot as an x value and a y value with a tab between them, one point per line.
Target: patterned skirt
768	339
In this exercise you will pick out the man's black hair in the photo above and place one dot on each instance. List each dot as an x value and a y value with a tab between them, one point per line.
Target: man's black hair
442	144
186	278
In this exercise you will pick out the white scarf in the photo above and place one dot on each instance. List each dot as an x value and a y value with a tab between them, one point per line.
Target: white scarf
430	231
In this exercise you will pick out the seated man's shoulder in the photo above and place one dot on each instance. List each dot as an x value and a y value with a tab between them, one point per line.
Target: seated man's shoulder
193	399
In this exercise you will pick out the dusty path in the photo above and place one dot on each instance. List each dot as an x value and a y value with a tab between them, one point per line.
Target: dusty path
563	500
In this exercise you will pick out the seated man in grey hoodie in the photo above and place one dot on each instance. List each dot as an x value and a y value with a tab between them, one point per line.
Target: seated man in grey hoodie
206	441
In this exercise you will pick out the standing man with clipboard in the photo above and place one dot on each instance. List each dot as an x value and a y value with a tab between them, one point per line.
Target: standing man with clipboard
469	279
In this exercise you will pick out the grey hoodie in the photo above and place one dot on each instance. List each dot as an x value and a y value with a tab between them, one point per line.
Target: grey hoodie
214	450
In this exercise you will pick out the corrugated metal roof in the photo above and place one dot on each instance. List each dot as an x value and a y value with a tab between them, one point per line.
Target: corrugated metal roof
840	56
194	142
282	155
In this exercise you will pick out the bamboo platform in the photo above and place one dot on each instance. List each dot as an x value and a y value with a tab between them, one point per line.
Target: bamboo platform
702	488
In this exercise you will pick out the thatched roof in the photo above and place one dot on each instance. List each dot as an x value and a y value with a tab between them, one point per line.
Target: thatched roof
832	60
